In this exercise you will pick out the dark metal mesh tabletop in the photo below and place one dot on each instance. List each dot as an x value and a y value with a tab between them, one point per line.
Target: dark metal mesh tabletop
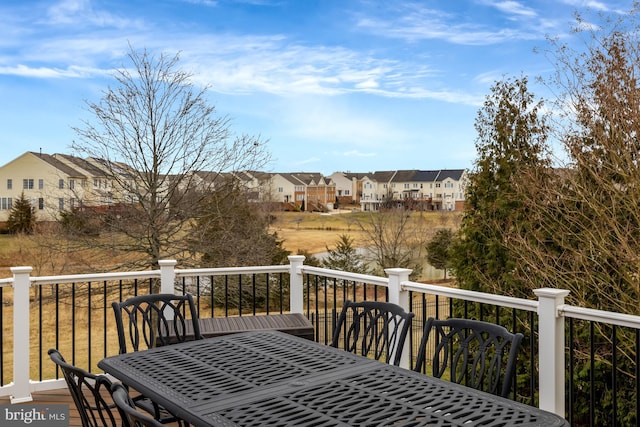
275	379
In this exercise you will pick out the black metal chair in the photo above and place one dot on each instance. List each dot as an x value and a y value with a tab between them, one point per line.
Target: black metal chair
155	320
127	408
372	328
147	321
88	392
472	352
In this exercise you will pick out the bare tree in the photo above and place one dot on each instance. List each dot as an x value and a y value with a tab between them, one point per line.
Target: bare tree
588	234
396	238
154	133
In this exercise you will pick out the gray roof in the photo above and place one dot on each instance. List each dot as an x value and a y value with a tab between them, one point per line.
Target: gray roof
63	167
82	163
404	175
426	176
454	174
383	176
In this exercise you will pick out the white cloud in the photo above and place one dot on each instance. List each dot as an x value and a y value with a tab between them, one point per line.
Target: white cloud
81	14
46	72
413	23
208	3
308	161
513	8
354	153
591	4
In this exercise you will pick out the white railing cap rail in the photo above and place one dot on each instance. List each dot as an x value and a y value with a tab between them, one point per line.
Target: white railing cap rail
92	277
357	277
618	319
221	271
482	297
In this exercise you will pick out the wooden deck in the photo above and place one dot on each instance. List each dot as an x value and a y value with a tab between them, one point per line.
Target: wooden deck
60	397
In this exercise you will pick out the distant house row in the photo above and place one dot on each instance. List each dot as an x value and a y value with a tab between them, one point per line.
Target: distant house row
60	182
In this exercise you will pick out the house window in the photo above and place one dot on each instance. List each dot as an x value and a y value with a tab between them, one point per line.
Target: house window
72	203
437	185
9	184
72	184
280	189
40	184
27	184
41	203
347	193
61	203
96	182
61	184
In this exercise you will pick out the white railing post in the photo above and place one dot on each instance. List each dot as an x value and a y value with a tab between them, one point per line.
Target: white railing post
296	289
21	337
167	275
551	349
398	295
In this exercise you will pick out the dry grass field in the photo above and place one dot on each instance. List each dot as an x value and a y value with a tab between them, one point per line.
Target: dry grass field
313	232
309	232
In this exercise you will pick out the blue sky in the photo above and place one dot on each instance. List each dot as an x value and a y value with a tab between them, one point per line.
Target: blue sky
333	85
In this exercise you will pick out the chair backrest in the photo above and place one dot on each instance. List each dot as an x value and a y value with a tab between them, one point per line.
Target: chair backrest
477	354
127	408
147	321
88	392
372	328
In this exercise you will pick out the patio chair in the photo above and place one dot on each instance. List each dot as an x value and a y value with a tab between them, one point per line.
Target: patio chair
127	408
372	328
88	392
472	352
155	320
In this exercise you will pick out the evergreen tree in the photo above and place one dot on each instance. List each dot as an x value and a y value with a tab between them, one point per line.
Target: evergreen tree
439	250
22	218
511	145
231	231
345	257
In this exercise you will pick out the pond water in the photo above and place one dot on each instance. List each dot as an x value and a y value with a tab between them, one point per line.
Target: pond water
429	272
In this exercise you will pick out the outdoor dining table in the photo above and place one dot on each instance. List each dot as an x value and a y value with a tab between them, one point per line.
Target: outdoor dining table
270	378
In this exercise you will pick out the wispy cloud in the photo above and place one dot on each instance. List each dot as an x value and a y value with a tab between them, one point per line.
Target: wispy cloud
591	4
208	3
307	161
415	23
80	13
354	153
275	65
512	8
48	73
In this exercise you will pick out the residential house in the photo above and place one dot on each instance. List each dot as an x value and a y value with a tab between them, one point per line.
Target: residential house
50	184
60	182
414	189
304	190
348	187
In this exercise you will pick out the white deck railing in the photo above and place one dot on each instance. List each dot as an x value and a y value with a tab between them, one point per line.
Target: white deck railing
549	308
